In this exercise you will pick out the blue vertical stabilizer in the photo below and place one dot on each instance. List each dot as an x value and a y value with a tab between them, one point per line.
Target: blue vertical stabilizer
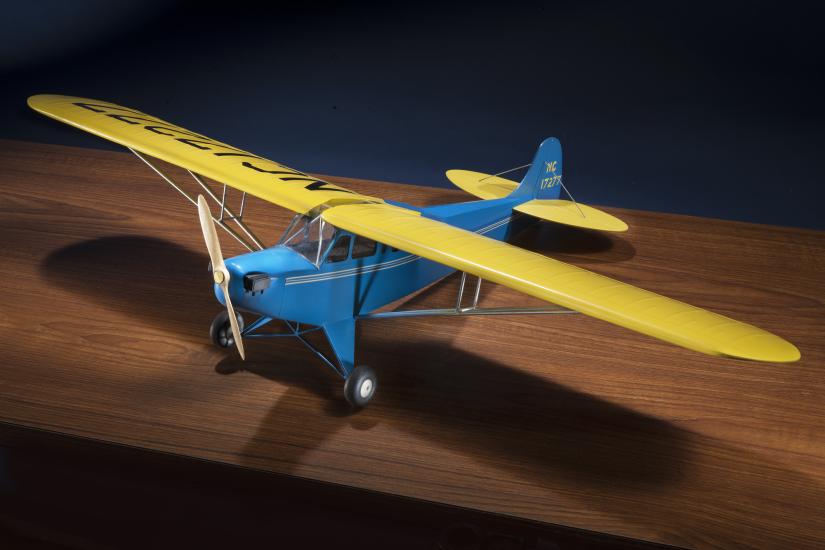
543	179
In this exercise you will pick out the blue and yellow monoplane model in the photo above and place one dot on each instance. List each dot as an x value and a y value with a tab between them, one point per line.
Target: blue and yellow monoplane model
345	255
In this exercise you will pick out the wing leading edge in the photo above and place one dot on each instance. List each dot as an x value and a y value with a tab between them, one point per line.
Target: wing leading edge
563	284
265	179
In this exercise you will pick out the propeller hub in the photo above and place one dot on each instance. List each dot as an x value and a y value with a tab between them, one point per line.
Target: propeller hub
219	276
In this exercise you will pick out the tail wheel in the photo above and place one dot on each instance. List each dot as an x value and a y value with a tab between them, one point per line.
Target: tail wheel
221	330
360	386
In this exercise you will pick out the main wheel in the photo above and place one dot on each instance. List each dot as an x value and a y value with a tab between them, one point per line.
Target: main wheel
360	386
221	330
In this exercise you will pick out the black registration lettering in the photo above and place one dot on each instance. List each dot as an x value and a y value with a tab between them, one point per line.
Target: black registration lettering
194	143
319	185
205	144
250	155
96	108
247	164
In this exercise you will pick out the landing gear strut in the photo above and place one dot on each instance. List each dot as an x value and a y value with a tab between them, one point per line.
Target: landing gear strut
360	382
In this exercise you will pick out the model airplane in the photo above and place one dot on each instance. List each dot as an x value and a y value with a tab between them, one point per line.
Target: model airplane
345	255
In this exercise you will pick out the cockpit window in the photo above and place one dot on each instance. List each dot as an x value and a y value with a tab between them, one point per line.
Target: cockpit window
308	236
363	247
340	250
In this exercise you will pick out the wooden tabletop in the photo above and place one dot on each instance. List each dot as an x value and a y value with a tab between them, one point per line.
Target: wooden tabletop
563	419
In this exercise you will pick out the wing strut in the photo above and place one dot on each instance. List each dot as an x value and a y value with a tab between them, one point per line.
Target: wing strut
226	213
459	311
256	243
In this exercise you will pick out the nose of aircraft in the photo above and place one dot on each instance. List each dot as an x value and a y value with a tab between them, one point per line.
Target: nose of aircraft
254	282
236	292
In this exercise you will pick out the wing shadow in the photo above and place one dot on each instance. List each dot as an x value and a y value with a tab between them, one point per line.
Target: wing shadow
473	405
160	282
610	457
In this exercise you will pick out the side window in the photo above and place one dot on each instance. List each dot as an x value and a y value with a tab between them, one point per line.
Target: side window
340	250
363	247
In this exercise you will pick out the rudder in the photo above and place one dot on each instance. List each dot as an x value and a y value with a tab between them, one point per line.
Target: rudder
543	179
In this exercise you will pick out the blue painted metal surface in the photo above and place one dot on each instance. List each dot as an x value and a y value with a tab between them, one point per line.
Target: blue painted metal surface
543	179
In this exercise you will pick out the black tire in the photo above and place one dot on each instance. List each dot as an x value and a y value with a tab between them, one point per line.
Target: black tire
221	330
360	386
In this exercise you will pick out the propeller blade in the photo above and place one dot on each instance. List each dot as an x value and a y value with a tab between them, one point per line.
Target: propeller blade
210	236
219	272
233	320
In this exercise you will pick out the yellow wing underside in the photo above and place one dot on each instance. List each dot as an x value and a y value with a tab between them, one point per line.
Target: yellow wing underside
563	284
262	178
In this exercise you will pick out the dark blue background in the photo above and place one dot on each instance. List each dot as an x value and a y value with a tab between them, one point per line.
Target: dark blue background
705	108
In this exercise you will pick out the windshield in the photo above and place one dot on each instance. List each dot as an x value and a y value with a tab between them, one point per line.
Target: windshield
308	237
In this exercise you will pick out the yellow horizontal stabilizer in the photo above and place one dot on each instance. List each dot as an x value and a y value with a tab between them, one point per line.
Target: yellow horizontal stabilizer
483	186
572	213
265	179
562	284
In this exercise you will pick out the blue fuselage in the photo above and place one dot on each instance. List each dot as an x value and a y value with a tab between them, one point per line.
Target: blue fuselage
301	291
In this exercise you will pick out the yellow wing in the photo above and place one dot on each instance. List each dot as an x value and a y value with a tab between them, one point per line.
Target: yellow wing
562	284
483	186
257	176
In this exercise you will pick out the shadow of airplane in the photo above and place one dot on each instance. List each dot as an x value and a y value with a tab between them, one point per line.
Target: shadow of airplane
615	460
476	406
153	279
542	432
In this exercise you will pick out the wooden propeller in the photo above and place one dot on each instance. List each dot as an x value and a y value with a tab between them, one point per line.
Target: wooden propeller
219	271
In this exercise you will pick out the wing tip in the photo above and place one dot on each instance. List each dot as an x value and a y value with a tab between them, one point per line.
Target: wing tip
33	101
776	350
621	228
41	102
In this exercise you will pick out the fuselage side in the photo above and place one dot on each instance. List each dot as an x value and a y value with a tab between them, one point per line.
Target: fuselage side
301	291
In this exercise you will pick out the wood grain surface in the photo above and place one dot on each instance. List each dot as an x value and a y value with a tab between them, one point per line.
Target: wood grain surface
565	419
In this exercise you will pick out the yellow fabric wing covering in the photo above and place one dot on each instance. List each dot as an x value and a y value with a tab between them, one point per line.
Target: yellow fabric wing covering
262	178
562	284
571	213
483	186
